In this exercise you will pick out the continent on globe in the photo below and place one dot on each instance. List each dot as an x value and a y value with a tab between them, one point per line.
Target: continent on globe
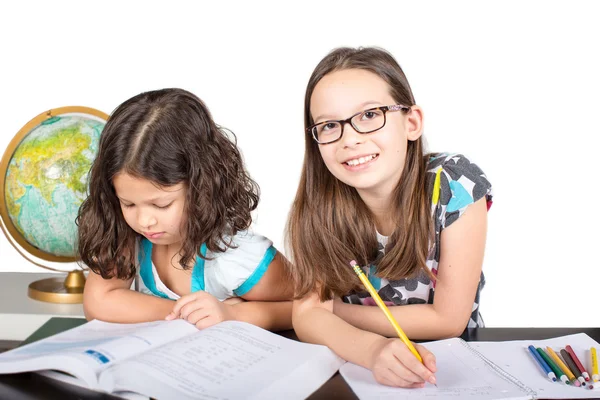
46	180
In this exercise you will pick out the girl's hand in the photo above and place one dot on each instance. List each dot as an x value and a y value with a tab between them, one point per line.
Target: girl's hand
393	364
201	309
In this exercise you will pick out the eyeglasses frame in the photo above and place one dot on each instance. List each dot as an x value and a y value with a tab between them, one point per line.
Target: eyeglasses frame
343	122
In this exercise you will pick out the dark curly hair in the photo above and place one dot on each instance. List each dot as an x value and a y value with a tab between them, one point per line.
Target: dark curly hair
167	137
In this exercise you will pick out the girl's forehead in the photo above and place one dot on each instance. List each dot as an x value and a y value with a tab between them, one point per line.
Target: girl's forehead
348	90
133	186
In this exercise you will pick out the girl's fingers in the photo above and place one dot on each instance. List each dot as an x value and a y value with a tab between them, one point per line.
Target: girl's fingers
195	316
388	377
170	316
206	322
428	358
408	367
181	302
190	307
404	372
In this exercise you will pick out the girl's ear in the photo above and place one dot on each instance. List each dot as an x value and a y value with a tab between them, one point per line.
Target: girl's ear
414	123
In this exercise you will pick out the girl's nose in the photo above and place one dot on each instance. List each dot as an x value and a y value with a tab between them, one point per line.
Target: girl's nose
350	137
145	219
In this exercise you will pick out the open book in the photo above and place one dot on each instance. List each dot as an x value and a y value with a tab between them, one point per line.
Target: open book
174	360
482	371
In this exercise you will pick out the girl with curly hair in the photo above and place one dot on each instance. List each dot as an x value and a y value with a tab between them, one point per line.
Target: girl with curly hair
164	229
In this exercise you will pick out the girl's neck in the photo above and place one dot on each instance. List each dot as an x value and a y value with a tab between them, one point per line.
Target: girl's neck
381	206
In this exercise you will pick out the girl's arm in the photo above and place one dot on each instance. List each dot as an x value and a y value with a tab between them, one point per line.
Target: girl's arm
459	271
112	300
390	360
267	306
270	306
270	315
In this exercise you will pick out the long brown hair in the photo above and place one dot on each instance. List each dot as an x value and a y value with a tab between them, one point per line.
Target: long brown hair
329	224
167	137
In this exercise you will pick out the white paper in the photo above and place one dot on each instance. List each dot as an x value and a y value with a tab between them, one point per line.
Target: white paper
230	360
460	374
514	358
90	348
59	376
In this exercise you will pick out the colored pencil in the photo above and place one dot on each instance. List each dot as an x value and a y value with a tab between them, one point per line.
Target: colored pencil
559	374
562	366
569	360
542	363
584	373
595	375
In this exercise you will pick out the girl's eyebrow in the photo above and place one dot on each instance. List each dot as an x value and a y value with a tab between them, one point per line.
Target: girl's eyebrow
152	200
361	107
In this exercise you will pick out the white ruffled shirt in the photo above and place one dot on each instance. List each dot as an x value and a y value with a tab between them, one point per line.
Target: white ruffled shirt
232	273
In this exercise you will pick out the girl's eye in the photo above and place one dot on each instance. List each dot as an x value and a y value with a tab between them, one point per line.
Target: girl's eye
163	207
329	127
370	115
127	205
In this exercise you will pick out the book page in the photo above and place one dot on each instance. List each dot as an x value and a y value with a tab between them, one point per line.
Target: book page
460	374
86	350
76	382
514	358
230	360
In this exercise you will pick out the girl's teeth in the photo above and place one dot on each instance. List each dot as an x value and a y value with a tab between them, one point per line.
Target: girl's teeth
361	160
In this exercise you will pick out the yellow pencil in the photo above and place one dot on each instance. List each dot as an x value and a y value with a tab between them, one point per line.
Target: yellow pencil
595	376
562	366
386	311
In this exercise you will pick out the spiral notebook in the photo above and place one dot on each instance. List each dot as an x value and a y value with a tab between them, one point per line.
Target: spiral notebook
482	371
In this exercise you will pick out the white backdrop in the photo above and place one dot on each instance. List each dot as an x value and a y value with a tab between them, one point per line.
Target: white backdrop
514	85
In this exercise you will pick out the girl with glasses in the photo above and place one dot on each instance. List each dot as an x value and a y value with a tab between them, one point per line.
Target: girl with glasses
415	222
168	214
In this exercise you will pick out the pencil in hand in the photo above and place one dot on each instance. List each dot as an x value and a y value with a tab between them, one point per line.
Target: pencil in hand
383	307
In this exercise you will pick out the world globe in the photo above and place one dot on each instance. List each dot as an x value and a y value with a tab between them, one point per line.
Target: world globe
43	181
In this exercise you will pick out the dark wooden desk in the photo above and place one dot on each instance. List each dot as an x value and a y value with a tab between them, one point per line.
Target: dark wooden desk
33	387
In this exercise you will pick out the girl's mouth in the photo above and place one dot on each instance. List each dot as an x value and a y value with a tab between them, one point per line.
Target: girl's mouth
360	162
153	235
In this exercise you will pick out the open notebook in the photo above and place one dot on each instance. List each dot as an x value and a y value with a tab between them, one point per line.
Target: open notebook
482	371
175	360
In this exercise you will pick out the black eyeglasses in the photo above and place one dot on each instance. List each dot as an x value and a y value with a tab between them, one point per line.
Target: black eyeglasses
367	121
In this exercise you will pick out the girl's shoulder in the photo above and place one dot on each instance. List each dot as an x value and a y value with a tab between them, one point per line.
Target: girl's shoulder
455	164
236	270
454	182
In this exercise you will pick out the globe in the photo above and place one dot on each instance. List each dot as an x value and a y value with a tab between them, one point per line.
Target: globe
43	181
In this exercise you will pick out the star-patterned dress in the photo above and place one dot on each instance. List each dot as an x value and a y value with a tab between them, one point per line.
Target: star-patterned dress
454	183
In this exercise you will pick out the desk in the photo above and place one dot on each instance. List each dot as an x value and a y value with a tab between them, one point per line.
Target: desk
20	315
32	387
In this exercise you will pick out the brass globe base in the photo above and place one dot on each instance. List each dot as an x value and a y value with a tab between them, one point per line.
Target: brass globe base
57	290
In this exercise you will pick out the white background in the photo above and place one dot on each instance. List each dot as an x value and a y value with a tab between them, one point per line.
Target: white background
514	85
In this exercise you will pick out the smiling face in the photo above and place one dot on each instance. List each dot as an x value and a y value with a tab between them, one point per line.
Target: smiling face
372	163
157	213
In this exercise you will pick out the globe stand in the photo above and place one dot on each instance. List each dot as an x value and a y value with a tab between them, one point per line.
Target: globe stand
57	290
